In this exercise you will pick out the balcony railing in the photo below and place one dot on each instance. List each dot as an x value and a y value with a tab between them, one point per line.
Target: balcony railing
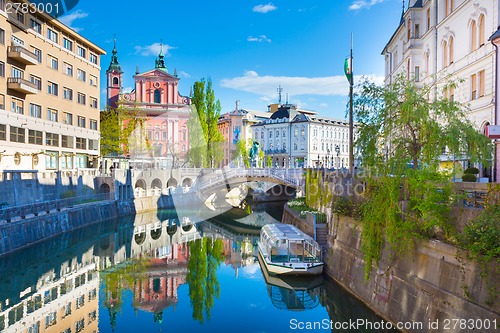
23	55
22	85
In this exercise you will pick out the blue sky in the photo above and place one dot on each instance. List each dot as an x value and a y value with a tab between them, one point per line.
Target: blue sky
247	47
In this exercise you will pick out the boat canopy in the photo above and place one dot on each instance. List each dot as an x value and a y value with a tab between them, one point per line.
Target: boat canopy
275	233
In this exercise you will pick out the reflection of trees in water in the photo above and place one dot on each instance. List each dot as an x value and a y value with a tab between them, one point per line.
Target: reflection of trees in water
205	257
117	281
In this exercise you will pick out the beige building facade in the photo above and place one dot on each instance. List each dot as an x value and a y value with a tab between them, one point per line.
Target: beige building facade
442	40
49	94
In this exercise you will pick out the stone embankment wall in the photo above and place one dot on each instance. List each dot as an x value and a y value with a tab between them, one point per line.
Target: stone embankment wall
431	284
291	217
24	232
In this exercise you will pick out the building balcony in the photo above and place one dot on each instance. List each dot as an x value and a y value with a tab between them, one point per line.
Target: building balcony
22	55
275	151
21	85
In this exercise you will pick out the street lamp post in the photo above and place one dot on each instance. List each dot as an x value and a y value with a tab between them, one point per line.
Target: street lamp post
327	158
337	150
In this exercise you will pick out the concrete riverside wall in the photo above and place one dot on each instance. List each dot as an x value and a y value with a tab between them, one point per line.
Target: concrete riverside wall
428	285
18	234
291	217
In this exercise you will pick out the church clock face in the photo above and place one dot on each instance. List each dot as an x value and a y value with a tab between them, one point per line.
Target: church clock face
126	97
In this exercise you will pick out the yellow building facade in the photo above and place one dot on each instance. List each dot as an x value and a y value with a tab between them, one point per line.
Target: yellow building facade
49	94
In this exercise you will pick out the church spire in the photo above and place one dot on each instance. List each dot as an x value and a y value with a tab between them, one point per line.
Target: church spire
114	65
160	62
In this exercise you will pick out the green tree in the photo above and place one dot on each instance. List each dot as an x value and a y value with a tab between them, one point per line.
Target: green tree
205	138
402	132
111	132
402	124
241	152
205	256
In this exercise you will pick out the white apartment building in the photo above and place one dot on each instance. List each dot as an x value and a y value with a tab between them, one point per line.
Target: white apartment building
49	94
439	40
293	137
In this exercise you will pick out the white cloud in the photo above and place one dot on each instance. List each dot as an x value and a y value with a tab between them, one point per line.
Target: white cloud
361	4
184	74
154	49
127	90
264	8
266	85
260	39
323	105
70	18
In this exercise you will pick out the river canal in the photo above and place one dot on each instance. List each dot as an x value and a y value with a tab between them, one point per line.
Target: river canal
154	273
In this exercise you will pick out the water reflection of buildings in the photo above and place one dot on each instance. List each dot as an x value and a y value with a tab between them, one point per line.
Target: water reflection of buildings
54	286
65	300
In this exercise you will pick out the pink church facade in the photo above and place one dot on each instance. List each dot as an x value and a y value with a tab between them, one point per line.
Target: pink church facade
157	101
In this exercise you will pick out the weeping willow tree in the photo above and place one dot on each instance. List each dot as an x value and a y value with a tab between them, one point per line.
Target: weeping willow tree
403	129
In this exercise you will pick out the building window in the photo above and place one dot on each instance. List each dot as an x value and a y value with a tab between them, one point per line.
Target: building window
20	16
51	160
35	25
67	94
81	121
37	81
81	98
445	54
157	96
17	134
38	54
481	75
93	80
481	30
3	132
473	89
93	58
93	144
93	124
52	35
35	111
451	44
52	88
68	118
52	139
81	51
16	72
68	69
417	73
408	30
67	44
35	137
2	36
473	36
52	115
81	75
53	63
66	141
93	102
115	81
417	31
81	143
2	101
2	69
17	105
80	325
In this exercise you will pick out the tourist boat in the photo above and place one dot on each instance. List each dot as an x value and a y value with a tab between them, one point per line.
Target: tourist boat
285	250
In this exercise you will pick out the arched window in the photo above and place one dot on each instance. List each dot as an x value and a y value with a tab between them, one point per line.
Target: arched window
427	63
445	54
451	46
157	96
481	30
473	36
115	81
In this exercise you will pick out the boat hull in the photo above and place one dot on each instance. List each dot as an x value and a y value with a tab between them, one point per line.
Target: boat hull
289	268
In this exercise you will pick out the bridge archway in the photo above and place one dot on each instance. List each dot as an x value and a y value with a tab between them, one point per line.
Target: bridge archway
156	233
140	238
187	228
104	188
156	184
171	229
140	183
172	182
187	182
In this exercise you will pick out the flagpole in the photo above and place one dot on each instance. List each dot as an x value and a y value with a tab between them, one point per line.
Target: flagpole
351	125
